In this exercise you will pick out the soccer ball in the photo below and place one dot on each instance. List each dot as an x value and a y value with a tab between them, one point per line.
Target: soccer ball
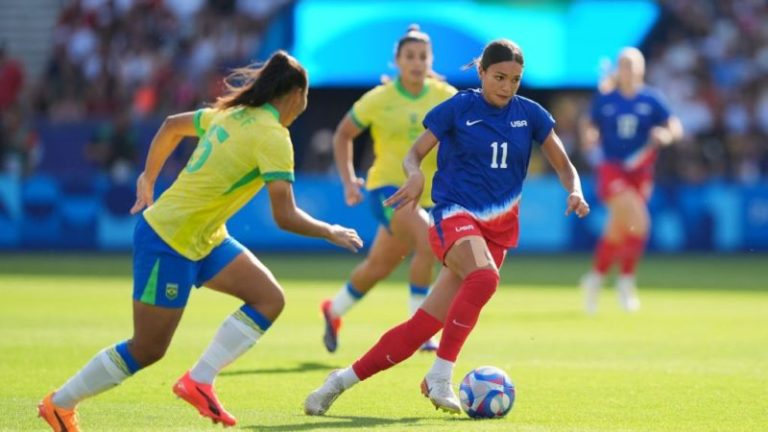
486	392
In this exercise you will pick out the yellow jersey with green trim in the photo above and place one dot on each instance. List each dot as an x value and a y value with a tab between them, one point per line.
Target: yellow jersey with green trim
394	117
239	150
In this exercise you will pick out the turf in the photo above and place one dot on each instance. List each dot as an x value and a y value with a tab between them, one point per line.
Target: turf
693	359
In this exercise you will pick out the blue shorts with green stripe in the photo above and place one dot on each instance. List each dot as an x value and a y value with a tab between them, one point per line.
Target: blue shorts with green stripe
163	277
382	213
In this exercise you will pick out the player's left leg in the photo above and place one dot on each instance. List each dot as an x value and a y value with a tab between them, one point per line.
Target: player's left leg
160	292
637	223
153	330
246	278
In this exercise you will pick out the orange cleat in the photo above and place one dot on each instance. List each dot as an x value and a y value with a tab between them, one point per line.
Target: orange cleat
332	326
60	419
203	398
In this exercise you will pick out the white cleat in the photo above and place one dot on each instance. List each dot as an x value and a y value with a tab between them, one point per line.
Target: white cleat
319	401
440	393
627	291
590	284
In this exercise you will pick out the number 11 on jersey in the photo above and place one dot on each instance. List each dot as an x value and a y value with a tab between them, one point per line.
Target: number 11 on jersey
494	159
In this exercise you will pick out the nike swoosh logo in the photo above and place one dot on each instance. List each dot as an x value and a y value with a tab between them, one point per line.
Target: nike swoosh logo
61	422
460	324
389	359
470	123
211	405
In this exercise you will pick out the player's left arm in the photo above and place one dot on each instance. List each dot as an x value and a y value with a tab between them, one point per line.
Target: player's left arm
553	150
167	138
668	132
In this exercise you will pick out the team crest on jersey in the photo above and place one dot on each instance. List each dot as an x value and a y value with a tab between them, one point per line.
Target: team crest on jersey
171	291
414	118
608	110
643	108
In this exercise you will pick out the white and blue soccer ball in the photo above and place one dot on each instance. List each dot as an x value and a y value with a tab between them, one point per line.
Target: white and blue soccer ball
486	392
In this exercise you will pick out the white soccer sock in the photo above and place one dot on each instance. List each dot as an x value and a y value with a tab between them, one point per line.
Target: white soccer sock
416	297
232	340
344	300
98	375
441	368
349	377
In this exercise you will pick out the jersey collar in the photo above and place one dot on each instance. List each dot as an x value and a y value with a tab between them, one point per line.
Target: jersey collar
406	94
271	108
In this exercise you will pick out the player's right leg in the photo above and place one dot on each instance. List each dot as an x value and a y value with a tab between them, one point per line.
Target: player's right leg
233	270
385	254
394	346
412	225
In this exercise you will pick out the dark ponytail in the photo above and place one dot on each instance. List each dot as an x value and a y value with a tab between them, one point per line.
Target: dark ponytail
500	50
255	85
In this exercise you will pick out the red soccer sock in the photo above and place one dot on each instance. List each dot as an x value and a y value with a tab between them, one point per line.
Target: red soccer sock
634	247
397	344
476	289
605	255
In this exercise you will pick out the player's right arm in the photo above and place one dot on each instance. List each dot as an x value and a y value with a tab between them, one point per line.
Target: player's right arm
343	138
410	192
167	138
589	135
291	218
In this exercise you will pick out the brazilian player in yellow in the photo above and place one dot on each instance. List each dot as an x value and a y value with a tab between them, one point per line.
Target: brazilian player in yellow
181	239
393	111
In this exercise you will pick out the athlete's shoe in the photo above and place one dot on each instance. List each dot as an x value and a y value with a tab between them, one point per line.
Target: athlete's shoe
428	346
627	291
319	401
60	419
591	283
332	326
441	394
203	398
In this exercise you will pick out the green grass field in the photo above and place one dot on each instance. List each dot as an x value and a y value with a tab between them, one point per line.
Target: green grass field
695	358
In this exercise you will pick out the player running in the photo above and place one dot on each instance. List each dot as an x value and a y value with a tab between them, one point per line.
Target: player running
628	123
393	112
486	137
181	239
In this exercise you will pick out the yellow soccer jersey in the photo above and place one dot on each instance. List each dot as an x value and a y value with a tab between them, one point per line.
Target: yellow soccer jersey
395	117
239	150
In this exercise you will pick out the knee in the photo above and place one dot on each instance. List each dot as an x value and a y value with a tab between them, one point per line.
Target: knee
148	353
271	303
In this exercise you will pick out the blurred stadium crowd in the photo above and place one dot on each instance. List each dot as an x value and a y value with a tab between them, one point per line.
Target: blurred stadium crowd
126	60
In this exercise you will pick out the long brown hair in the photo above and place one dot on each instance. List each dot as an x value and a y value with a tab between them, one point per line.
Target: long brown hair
255	85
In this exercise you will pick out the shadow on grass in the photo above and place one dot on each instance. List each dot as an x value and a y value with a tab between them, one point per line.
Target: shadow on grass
301	367
337	422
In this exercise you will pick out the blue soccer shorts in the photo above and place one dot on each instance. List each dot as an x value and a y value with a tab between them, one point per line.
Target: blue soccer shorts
163	277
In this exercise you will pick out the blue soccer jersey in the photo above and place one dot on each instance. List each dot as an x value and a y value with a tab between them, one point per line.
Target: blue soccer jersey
483	159
625	125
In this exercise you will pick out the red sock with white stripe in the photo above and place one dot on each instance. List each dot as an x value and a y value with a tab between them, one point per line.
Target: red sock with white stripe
475	291
397	344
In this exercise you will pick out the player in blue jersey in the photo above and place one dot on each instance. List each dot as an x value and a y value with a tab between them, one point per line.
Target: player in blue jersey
628	123
486	137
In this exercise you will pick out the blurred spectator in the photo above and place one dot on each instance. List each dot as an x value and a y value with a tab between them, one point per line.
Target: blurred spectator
114	149
19	149
11	80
